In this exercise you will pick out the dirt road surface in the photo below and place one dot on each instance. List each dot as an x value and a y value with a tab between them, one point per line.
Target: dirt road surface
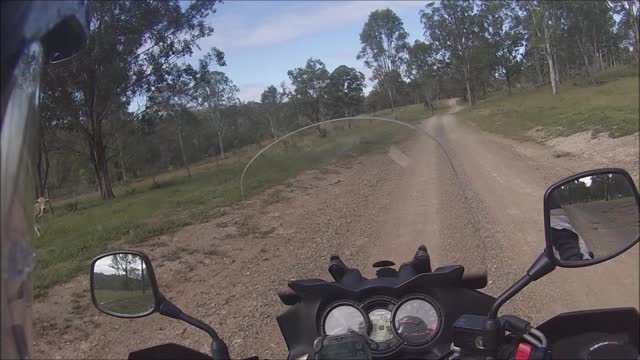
605	226
486	214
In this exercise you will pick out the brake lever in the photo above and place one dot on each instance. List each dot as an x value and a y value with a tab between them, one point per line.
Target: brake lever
454	353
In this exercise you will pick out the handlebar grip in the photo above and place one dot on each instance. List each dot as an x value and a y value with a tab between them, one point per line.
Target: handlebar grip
507	351
522	351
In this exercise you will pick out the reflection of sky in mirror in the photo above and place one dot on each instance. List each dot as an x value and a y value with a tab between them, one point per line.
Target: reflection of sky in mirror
586	180
103	266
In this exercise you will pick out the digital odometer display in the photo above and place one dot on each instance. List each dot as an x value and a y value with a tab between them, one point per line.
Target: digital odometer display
380	325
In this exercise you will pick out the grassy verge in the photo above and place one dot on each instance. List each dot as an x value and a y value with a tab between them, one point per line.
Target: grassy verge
125	302
611	106
84	227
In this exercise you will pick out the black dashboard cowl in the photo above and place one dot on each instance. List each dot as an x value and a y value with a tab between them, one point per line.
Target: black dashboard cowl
300	323
386	272
354	285
349	277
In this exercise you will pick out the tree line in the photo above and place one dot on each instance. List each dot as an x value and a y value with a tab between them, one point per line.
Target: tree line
600	188
129	105
476	47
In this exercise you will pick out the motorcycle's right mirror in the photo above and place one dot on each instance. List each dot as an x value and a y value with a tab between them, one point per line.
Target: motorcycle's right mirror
591	217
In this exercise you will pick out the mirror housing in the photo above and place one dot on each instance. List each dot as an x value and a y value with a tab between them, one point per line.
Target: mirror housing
112	265
583	201
111	290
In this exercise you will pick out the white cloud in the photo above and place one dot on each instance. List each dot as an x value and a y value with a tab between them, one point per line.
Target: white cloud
251	91
232	31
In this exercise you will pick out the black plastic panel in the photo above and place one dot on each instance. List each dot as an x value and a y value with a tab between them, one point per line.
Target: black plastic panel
300	323
570	335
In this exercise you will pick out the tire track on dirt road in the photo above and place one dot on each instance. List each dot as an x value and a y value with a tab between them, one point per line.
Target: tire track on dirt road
429	207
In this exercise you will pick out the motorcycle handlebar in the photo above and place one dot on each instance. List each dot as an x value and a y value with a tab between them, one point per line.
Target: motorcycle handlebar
522	350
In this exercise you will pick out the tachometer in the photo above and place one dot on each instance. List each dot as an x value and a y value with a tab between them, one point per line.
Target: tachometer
344	319
416	321
380	325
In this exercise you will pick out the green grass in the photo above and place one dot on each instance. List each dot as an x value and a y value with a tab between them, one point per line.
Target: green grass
75	234
71	239
125	302
609	107
610	74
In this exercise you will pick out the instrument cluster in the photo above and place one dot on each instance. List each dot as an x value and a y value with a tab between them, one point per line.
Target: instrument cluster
388	323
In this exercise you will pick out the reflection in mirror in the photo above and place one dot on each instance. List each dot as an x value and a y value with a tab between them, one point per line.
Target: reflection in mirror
593	217
121	285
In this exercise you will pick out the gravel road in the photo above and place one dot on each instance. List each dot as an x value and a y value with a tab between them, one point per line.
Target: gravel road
487	214
494	209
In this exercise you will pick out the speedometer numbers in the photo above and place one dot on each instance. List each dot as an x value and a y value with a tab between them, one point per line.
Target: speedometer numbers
416	321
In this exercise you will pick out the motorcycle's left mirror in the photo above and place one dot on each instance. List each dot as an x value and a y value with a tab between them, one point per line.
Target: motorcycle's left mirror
123	284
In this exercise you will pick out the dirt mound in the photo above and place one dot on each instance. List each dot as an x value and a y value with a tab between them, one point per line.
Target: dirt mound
602	150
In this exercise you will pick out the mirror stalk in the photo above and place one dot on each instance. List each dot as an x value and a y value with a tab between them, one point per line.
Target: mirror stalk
219	349
492	329
508	294
167	308
541	267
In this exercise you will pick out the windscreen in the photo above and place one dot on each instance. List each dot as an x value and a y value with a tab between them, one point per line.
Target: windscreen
375	188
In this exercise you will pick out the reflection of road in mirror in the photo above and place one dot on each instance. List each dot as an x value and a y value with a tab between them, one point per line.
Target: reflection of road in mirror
606	226
601	210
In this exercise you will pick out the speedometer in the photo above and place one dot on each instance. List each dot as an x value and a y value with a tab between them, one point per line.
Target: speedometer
344	319
416	321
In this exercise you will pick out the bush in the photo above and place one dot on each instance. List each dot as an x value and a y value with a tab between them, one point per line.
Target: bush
164	184
71	207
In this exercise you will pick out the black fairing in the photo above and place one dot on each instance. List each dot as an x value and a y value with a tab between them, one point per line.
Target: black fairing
572	334
300	324
168	351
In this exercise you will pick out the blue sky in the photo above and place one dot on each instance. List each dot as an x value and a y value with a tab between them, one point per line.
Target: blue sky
263	39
